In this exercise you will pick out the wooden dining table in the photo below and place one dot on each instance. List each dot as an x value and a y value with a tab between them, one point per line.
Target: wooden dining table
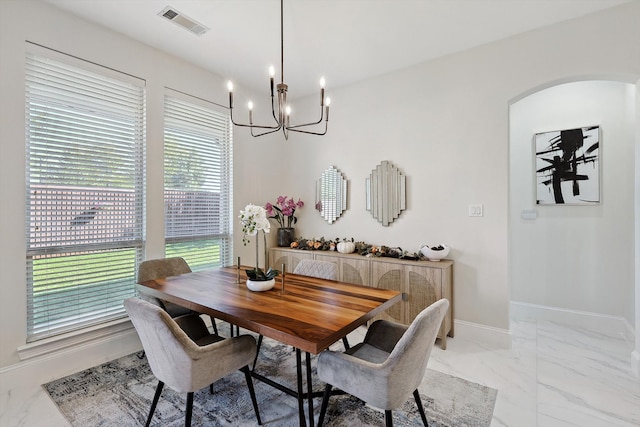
307	313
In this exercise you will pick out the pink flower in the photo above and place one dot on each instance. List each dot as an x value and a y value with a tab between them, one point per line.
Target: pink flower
283	210
269	208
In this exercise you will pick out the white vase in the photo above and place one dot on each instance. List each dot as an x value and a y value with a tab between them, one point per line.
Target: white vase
260	285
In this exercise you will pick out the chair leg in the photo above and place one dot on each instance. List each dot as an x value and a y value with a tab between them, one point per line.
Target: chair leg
388	418
213	324
252	393
345	341
154	402
257	352
416	396
325	403
187	419
231	330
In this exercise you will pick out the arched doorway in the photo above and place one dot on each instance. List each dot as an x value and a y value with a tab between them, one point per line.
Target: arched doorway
578	264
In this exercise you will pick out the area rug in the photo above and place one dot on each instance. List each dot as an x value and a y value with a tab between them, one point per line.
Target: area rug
119	393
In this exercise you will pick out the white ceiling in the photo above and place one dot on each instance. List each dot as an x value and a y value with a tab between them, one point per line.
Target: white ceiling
343	40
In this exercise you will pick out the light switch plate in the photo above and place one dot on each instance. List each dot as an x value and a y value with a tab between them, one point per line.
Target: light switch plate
476	210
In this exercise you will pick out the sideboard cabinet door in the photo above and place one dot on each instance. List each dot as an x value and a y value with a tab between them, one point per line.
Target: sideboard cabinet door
421	284
424	286
351	268
386	275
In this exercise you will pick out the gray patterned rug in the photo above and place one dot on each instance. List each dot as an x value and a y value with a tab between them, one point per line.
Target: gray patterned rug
119	393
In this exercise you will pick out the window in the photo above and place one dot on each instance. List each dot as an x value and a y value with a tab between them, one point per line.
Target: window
84	199
197	182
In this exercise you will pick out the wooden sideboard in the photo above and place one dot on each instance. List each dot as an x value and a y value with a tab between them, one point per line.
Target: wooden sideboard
421	282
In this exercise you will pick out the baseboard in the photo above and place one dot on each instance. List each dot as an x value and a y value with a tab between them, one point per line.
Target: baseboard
68	360
74	339
612	325
495	338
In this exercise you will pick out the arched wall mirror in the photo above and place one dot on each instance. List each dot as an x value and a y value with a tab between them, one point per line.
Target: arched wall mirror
386	188
331	194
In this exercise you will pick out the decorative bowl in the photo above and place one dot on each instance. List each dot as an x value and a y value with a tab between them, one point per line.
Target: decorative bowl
434	253
260	285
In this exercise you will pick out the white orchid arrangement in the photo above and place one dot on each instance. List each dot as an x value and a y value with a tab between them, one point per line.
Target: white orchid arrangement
254	219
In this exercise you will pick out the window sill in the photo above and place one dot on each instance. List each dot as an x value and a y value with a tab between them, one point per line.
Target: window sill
55	344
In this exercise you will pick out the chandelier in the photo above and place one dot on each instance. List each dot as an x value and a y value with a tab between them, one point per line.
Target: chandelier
280	110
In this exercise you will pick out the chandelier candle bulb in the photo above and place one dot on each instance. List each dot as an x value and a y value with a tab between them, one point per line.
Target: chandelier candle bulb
230	87
272	73
327	109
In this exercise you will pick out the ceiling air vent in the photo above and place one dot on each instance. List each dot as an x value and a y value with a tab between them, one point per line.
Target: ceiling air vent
183	20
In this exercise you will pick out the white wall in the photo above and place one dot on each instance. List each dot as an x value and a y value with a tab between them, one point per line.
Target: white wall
443	123
578	258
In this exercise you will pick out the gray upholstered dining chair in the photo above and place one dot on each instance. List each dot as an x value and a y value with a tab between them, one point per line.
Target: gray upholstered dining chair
388	366
165	267
185	356
316	268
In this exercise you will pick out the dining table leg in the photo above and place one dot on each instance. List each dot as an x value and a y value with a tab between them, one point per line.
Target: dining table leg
310	390
303	421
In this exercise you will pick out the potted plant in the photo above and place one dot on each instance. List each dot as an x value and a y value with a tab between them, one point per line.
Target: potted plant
254	219
283	212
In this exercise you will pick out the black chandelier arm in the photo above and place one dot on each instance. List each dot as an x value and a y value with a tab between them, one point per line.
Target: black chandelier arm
311	123
292	129
322	110
277	127
273	110
255	135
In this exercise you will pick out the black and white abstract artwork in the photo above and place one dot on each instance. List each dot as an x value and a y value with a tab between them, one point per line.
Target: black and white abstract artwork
568	166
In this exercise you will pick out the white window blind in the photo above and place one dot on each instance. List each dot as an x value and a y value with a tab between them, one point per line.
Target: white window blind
197	182
84	199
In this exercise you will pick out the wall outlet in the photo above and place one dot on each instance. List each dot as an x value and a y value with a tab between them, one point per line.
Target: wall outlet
476	210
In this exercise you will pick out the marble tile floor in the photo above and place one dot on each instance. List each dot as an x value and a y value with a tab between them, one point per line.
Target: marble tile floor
553	376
